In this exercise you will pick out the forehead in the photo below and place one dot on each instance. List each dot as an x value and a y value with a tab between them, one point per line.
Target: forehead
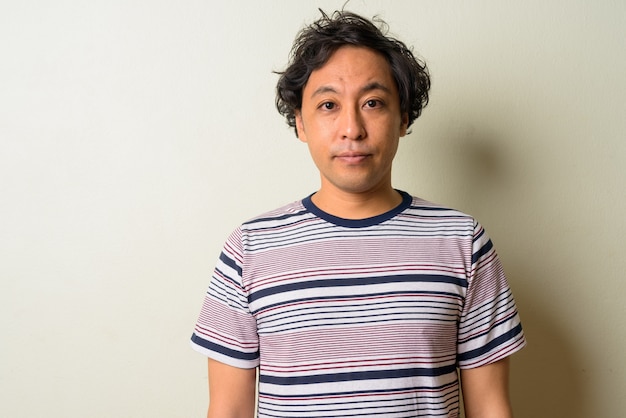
352	66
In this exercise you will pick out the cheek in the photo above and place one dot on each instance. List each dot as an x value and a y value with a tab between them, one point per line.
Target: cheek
391	152
317	152
391	147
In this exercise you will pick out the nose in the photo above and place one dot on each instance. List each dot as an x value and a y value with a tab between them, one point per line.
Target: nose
352	124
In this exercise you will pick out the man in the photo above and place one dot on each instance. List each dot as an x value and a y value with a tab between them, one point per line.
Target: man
359	300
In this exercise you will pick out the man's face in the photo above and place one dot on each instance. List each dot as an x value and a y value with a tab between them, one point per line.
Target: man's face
351	121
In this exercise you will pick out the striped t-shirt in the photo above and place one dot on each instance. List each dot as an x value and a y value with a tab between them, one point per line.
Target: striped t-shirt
359	318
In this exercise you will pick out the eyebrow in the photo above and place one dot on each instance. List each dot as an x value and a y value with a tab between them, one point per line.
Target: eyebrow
374	85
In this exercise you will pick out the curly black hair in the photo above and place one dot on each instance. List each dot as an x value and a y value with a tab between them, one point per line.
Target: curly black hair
315	44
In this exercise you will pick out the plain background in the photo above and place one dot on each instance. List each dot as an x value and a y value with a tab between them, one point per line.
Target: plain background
135	135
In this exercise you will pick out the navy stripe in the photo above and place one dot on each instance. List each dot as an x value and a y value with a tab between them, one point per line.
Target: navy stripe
230	263
434	209
355	376
276	218
504	338
484	250
223	350
358	281
482	232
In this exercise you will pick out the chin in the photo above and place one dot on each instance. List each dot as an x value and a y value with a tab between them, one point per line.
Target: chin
359	188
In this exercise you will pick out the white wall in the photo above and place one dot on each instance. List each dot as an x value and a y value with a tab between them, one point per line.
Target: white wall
134	135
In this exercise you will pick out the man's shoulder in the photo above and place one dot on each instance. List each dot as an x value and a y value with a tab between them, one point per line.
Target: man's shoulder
282	214
428	208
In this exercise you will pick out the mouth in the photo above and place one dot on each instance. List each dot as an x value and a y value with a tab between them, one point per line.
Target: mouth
352	157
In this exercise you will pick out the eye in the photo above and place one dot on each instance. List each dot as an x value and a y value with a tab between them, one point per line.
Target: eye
328	106
372	103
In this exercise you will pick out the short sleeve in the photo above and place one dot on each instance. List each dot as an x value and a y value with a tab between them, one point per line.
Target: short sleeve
490	327
226	330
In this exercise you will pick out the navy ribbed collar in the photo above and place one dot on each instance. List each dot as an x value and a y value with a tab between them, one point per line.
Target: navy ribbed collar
407	199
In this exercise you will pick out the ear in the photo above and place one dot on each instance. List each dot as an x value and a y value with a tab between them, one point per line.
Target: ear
404	124
300	126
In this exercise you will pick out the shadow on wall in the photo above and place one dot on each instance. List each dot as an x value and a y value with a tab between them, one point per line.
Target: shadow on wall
545	376
547	379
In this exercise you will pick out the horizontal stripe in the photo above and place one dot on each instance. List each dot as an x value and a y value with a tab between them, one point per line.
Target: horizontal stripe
360	281
482	251
356	376
491	345
230	263
210	345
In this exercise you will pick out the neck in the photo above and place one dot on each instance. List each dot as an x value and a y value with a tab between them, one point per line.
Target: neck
349	205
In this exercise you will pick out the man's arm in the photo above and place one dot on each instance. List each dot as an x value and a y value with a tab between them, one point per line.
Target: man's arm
232	391
486	391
